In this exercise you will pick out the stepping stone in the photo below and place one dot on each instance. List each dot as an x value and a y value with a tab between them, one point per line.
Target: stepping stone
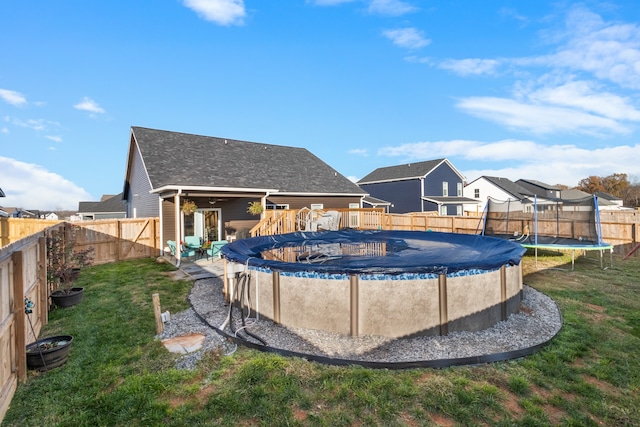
184	344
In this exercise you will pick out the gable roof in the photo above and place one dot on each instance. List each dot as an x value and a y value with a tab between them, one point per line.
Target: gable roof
112	204
374	201
539	184
508	186
607	196
174	159
404	172
574	194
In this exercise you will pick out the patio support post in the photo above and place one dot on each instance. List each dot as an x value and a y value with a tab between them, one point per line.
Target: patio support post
177	227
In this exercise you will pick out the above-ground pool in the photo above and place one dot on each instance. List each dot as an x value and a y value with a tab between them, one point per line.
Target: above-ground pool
387	283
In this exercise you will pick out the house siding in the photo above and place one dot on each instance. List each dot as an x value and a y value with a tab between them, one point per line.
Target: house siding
139	198
433	186
298	202
404	196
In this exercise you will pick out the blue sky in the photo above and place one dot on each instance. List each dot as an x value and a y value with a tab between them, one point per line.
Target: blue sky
545	90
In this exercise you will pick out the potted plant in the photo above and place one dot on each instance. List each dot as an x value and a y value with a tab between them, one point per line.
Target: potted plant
255	208
64	265
48	353
189	207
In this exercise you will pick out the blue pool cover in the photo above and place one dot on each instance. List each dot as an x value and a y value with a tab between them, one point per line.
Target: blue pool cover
358	252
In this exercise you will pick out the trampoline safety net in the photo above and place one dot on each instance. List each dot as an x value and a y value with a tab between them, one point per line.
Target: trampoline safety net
548	222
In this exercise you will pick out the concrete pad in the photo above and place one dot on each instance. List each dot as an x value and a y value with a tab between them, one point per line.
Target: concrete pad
184	344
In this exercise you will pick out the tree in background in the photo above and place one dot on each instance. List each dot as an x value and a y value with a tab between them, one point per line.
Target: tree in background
591	185
616	184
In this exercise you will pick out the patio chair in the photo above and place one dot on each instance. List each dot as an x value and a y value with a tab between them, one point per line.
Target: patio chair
214	250
184	252
192	242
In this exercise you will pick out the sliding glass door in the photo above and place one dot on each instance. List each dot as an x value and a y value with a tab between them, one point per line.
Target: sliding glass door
204	223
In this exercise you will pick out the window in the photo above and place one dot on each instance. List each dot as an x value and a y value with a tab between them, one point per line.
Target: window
317	206
459	189
476	193
443	209
445	188
459	210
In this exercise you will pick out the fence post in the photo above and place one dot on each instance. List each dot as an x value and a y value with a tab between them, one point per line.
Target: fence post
43	285
20	316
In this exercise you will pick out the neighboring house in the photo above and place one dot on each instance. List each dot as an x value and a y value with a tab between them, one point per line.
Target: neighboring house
19	213
50	215
614	203
500	189
434	185
222	176
372	202
2	211
108	207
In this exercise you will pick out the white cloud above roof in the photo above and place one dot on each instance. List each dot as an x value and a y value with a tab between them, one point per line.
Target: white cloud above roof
565	164
28	185
409	38
88	104
221	12
12	97
391	7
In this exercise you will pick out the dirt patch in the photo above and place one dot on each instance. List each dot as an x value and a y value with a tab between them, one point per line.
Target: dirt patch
442	421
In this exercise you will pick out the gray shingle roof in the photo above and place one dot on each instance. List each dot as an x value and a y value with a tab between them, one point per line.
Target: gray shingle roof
540	184
509	186
180	159
112	204
399	172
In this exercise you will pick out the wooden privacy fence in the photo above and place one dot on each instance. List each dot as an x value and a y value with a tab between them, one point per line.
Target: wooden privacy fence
23	274
618	227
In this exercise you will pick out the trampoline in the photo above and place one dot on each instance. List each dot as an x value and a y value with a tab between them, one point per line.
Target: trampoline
572	225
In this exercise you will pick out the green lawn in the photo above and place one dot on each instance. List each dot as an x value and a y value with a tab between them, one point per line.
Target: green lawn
119	375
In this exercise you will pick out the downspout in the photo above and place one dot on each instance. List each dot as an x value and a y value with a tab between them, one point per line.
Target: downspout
422	195
177	228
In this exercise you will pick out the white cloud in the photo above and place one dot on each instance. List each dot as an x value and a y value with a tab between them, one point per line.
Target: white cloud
540	119
611	51
515	159
12	97
578	92
470	66
391	7
30	186
54	138
359	151
222	12
4	130
409	38
88	104
584	96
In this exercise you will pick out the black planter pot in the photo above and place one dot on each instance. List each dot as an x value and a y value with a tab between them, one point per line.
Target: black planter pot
48	353
63	299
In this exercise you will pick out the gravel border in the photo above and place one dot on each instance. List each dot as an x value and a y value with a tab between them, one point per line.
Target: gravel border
538	321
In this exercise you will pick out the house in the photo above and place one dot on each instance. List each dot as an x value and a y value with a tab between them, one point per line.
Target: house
372	202
109	206
433	185
498	188
50	215
19	213
608	201
222	177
